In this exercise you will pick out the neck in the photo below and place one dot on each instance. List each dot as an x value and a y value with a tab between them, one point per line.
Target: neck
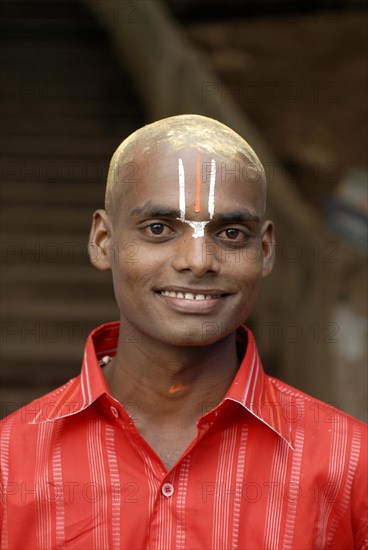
164	382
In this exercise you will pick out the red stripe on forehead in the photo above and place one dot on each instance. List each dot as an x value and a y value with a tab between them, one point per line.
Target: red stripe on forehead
197	207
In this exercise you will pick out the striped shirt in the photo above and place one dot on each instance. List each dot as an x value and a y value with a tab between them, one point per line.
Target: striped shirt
270	468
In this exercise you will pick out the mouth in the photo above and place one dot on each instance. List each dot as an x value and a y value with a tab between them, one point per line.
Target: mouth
198	296
185	300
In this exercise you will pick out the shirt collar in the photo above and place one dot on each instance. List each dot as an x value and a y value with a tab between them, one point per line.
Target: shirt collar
79	393
254	391
251	388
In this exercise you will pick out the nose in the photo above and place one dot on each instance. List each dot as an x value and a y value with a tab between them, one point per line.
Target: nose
200	256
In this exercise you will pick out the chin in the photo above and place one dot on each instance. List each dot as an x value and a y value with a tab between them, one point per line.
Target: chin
208	333
185	340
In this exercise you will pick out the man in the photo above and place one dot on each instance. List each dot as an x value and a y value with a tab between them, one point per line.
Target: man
173	437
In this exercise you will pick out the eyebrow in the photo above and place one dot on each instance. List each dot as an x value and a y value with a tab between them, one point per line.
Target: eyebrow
151	210
238	216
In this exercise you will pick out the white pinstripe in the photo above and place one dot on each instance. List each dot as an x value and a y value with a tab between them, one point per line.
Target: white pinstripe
98	477
333	481
153	482
275	503
240	462
256	376
115	486
164	520
57	473
221	513
344	501
181	501
294	485
41	487
250	378
86	379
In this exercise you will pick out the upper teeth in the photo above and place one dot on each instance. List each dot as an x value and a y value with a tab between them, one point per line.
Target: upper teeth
188	295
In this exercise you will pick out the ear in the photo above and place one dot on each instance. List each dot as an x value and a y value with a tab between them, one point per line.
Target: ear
268	247
99	240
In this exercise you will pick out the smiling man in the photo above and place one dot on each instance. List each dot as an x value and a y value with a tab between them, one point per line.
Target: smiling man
173	437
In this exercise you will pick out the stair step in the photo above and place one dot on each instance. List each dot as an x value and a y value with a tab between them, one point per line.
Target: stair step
49	218
58	311
31	102
16	367
42	370
43	9
20	293
73	146
56	169
42	193
59	125
59	275
44	249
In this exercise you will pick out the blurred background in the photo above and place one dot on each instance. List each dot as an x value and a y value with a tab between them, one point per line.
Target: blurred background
291	77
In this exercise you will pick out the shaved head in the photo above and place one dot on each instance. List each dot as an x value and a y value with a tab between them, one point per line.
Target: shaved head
200	132
185	212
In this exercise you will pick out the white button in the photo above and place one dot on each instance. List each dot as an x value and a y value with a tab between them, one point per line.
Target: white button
167	489
114	411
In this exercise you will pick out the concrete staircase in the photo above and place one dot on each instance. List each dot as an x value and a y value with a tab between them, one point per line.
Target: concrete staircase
66	105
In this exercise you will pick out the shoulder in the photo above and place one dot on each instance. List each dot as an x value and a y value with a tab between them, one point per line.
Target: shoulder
312	412
335	441
28	416
332	448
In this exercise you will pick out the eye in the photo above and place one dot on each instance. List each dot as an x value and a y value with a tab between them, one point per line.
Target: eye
158	229
232	234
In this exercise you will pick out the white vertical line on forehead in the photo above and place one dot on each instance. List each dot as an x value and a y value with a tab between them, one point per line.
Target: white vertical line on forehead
181	190
198	227
211	195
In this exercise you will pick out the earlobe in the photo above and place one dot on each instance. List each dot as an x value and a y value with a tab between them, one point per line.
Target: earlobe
99	240
268	248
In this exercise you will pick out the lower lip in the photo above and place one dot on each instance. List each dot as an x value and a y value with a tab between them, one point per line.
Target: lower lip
192	306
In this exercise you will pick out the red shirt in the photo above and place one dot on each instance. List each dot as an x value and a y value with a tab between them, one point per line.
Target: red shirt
270	468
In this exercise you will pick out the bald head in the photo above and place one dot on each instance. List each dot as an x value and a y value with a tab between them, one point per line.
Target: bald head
178	132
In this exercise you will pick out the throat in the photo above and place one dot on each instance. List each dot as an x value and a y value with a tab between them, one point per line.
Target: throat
168	444
171	385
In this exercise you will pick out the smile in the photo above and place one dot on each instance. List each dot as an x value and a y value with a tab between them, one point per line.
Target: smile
190	295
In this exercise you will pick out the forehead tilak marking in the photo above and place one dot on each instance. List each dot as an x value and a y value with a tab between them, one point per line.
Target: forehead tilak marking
211	195
181	191
198	227
197	207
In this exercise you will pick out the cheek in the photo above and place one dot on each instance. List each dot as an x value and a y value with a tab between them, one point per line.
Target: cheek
249	276
128	277
246	265
134	272
250	291
123	254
